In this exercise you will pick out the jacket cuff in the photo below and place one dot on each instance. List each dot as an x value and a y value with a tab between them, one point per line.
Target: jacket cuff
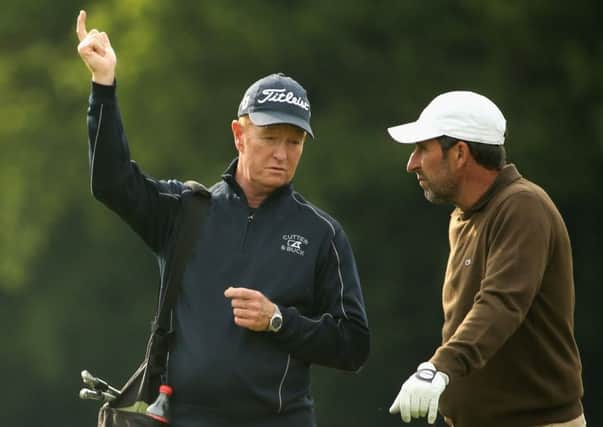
290	316
444	361
103	94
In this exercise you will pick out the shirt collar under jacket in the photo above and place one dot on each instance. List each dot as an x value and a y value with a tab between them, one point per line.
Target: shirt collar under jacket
507	175
229	177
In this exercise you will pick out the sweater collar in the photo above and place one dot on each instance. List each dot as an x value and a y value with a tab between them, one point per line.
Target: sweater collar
507	175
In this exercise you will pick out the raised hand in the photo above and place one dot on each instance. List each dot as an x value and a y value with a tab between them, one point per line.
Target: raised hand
96	52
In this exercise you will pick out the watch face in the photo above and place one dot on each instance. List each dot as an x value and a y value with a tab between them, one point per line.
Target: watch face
275	323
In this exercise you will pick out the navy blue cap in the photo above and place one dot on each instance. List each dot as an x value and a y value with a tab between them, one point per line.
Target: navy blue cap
277	99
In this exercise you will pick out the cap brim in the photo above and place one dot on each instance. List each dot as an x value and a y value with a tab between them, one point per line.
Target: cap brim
411	133
262	118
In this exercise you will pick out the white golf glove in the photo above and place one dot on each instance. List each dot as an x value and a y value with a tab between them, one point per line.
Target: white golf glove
420	394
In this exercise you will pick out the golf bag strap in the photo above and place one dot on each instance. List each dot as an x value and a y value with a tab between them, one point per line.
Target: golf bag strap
195	203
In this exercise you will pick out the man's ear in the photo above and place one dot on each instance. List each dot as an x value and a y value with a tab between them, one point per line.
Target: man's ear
237	134
463	154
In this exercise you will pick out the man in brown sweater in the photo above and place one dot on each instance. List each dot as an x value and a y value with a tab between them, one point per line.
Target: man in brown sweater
508	356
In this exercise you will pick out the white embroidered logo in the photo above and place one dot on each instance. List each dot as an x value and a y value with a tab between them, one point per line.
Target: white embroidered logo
279	95
292	243
245	102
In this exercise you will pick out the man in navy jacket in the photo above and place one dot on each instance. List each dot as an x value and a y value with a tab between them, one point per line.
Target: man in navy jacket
271	286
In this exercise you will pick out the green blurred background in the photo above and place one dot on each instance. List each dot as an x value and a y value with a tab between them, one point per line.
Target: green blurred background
77	287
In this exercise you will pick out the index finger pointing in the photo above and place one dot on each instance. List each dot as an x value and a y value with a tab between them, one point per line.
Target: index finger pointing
80	27
242	293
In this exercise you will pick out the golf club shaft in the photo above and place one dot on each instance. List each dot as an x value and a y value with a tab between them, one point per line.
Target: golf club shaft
89	394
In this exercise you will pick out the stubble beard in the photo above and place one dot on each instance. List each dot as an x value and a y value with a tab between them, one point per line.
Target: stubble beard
441	193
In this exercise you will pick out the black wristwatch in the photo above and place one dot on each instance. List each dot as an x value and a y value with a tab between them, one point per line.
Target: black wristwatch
276	321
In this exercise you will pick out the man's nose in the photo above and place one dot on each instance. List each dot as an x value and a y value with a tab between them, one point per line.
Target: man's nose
280	151
413	163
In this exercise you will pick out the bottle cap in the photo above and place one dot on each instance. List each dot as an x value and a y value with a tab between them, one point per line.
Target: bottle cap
166	389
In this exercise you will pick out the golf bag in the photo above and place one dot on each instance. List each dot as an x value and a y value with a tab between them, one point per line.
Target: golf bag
128	408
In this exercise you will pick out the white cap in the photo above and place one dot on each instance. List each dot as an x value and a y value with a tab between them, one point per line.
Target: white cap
465	115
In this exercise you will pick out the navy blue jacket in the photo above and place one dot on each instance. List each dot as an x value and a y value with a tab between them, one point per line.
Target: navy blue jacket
291	251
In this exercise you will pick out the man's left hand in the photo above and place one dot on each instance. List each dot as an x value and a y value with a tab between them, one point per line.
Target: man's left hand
420	394
251	309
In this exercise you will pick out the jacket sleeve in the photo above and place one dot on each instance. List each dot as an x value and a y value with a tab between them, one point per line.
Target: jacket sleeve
145	204
518	251
338	336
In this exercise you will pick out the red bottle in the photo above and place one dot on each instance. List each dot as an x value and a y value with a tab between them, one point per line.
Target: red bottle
160	409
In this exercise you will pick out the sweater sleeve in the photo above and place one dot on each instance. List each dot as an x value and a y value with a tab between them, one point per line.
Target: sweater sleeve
338	336
145	204
517	253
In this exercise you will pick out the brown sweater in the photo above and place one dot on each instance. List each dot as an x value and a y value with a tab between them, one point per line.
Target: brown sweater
508	299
